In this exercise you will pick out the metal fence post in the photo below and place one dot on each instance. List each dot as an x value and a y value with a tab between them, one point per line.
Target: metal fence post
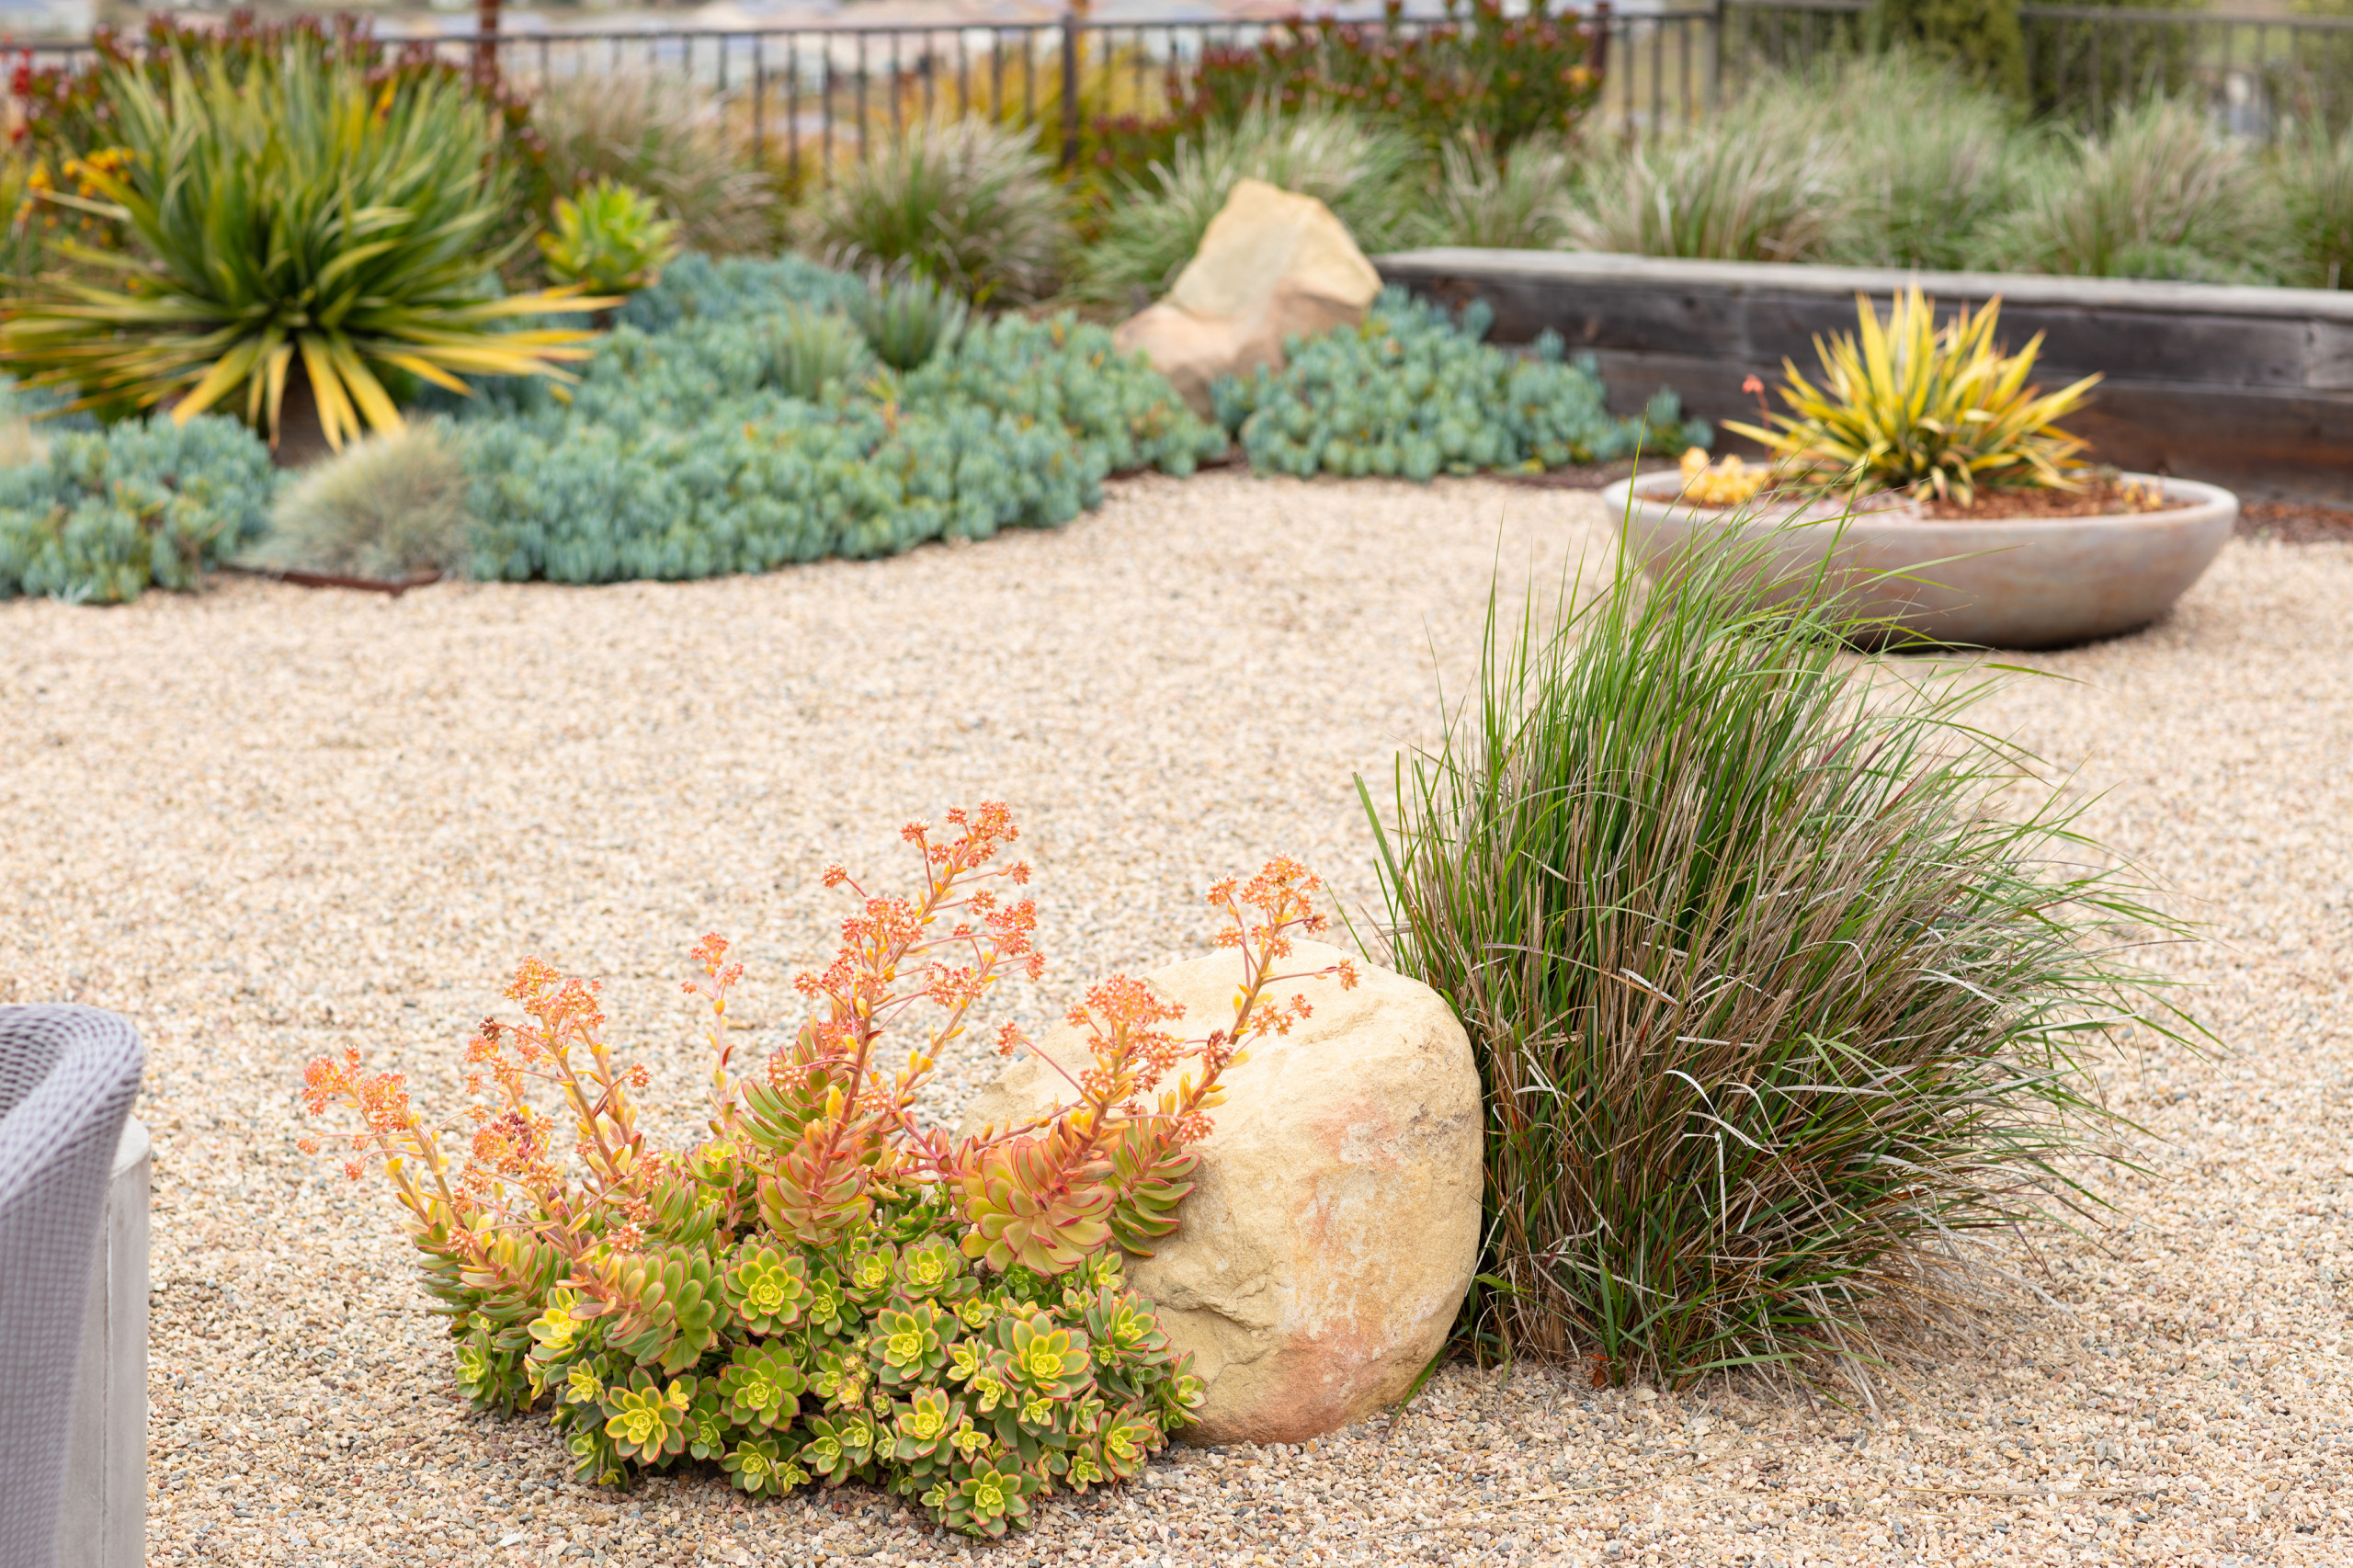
1070	87
1720	14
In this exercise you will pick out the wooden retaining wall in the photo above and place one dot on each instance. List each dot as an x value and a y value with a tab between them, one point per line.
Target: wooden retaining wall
2247	387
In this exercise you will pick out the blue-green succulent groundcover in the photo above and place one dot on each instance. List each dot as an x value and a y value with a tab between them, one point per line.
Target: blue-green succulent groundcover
677	455
1414	392
107	513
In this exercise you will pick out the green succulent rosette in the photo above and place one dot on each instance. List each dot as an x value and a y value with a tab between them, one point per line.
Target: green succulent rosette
872	1275
646	1419
829	1308
908	1345
838	1446
708	1428
1127	1438
924	1427
755	1466
759	1388
934	1269
983	1499
1049	1360
767	1289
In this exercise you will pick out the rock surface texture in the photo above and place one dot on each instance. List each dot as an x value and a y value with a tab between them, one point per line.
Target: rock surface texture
1334	1220
1271	264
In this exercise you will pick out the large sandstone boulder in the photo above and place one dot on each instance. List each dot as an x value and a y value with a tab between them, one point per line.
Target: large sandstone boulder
1335	1222
1270	265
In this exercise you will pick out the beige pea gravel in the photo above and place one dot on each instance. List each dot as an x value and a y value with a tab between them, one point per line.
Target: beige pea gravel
266	823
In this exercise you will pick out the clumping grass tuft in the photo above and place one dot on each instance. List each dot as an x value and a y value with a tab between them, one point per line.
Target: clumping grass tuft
1518	203
1353	166
969	204
669	137
1760	185
907	320
1928	159
2317	188
1781	977
815	349
2161	195
391	506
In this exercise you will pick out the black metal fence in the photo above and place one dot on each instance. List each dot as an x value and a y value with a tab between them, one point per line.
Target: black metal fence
809	95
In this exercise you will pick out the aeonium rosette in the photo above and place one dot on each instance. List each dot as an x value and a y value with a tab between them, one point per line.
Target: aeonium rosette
826	1289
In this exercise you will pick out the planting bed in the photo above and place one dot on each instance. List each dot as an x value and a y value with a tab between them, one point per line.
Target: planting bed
264	820
2248	387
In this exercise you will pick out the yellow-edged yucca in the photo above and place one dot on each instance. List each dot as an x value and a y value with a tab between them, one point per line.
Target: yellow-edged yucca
301	210
1940	412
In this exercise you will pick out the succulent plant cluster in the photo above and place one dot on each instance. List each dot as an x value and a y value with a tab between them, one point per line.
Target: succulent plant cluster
883	1357
826	1289
101	514
1414	393
694	445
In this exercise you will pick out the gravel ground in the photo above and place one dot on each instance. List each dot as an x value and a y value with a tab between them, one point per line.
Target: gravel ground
264	822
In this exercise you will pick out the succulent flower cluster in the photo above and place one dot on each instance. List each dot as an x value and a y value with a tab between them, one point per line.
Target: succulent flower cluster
1414	393
1725	482
824	1288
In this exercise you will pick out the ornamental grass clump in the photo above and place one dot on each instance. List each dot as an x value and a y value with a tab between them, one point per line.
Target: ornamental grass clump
2162	195
1934	411
667	136
389	507
826	1289
1781	977
1762	184
1155	222
971	205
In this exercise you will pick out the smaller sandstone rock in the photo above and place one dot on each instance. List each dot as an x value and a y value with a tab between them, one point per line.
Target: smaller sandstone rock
1335	1220
1270	266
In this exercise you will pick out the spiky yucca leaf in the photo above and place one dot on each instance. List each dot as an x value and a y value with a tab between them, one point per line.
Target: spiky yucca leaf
299	211
1908	406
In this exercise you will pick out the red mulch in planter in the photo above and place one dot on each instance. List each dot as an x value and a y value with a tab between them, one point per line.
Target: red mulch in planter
2101	498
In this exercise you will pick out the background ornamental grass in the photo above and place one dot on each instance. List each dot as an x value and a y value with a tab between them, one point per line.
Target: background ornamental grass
1783	983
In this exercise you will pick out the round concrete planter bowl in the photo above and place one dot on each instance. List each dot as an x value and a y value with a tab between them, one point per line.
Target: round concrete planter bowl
2021	583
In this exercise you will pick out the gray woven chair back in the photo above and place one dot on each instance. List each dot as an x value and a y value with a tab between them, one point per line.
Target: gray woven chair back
67	1078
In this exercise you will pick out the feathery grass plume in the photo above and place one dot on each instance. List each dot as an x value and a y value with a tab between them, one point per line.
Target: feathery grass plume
817	349
1782	980
2161	195
668	137
390	506
1517	202
1355	167
968	203
1918	185
2316	178
1760	183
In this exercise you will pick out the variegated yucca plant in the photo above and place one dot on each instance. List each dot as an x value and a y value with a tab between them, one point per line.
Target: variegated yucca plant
1934	411
826	1289
305	210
